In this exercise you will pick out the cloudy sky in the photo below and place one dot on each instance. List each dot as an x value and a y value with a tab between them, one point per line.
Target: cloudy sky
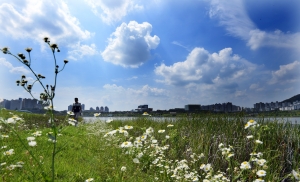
164	53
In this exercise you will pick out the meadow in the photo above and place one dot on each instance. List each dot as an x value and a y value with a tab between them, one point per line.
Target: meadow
197	147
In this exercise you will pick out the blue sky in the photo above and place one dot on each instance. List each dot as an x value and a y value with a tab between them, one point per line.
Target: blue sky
164	53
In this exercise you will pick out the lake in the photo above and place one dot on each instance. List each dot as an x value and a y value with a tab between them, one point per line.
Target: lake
291	120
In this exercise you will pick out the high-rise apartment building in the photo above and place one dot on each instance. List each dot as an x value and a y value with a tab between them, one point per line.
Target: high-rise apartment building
16	104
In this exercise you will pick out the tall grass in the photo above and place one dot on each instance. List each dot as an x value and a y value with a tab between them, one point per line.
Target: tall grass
94	152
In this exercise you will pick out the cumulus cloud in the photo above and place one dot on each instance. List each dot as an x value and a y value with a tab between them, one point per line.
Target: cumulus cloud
288	73
35	19
112	10
79	51
201	67
130	44
233	16
12	69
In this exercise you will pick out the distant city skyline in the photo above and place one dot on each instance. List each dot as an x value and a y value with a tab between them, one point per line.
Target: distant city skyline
27	103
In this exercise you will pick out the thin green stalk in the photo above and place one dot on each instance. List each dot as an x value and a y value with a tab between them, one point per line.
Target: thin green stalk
31	154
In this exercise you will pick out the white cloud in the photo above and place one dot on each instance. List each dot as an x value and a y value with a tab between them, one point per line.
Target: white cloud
201	67
35	19
277	38
12	69
233	16
130	45
79	51
112	10
288	73
132	78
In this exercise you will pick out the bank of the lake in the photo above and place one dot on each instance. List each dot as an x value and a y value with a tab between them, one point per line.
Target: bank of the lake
291	120
197	148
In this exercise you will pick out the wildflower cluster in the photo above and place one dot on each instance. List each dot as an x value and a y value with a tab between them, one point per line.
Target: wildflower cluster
152	154
227	152
256	164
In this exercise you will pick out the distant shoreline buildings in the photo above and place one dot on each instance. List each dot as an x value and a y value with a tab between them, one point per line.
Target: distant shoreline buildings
98	109
34	104
21	104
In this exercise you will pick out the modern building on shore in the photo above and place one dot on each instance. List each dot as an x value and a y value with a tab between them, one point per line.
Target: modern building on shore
144	108
192	107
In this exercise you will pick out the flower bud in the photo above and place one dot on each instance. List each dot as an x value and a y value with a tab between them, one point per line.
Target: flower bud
66	61
5	50
29	87
28	49
25	61
23	76
18	81
21	56
46	39
53	46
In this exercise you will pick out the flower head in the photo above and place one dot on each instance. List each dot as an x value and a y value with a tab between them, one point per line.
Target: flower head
161	131
66	61
250	123
70	113
97	114
37	133
46	39
126	144
259	180
5	50
145	114
9	152
261	173
28	49
261	162
32	143
245	165
89	180
21	56
136	160
109	120
128	127
258	141
30	138
249	136
123	168
54	46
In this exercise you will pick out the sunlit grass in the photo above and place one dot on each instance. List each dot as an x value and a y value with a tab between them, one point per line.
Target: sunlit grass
193	148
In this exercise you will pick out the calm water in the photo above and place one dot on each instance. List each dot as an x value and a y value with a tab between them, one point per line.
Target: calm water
292	120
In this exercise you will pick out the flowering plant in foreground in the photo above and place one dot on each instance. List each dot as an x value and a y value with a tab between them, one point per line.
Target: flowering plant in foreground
151	154
46	97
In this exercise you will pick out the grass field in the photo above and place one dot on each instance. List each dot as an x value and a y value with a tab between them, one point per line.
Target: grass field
193	148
